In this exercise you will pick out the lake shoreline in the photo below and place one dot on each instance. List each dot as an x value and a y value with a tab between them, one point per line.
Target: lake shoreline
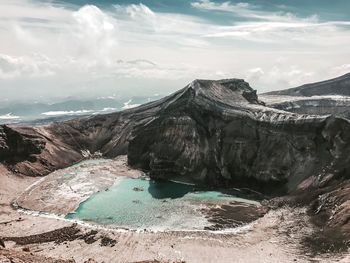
142	203
275	237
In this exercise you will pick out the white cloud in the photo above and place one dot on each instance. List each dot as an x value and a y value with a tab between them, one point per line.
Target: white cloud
138	10
91	19
255	74
69	48
95	34
316	34
249	11
279	76
341	70
276	27
35	66
225	6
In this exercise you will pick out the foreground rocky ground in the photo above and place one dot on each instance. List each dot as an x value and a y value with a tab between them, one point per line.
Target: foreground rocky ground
283	234
62	191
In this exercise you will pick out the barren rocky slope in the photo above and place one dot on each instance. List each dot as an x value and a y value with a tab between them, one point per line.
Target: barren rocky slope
336	86
317	105
320	98
215	133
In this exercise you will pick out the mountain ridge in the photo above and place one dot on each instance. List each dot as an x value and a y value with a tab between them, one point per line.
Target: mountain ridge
335	86
329	97
213	133
223	100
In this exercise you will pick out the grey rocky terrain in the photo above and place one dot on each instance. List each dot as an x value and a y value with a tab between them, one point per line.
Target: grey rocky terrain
213	133
320	98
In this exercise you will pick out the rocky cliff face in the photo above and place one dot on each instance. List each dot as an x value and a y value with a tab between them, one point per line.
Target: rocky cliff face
16	146
34	151
215	133
211	134
321	98
337	106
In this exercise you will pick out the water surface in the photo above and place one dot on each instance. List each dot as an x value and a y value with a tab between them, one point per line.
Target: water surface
157	205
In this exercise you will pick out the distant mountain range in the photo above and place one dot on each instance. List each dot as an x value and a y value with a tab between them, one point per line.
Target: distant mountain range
330	100
320	98
212	133
336	86
21	112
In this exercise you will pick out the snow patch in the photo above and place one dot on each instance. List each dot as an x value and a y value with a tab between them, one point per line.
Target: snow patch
60	113
8	116
127	105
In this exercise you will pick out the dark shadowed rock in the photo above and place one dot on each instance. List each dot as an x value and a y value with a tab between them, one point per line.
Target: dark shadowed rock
34	151
15	146
211	132
215	133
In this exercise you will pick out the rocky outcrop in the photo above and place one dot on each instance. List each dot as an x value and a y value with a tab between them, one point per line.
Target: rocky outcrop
16	146
34	151
211	134
215	133
337	106
330	97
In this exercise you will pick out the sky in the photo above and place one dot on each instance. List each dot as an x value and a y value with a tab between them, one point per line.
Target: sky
81	48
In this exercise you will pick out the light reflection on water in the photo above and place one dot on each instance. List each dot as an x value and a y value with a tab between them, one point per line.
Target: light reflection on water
140	203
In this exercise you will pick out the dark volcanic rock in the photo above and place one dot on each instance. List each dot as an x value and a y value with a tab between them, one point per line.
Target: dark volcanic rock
215	133
315	106
211	132
232	215
15	146
34	151
321	98
61	235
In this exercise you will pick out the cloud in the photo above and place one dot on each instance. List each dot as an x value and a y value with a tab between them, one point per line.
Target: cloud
140	21
93	20
255	74
279	76
275	27
249	11
341	70
35	66
77	48
225	6
95	33
139	10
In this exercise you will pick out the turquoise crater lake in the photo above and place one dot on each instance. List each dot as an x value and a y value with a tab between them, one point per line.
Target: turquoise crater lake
147	204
